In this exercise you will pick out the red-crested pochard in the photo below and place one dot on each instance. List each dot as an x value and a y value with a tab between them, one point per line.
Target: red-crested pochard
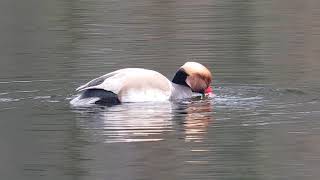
139	85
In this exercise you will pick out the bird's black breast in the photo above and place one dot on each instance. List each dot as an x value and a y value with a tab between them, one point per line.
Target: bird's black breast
180	77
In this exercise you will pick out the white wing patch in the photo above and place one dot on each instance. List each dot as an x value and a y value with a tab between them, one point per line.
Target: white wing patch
145	95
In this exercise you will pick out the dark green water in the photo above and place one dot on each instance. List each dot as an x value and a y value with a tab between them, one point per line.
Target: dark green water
262	124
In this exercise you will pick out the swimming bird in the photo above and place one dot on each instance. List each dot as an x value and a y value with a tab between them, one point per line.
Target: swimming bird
140	85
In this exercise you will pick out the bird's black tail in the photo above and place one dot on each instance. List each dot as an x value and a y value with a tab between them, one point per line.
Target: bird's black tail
107	98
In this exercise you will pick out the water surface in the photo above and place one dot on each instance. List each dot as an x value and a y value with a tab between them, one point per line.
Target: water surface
262	124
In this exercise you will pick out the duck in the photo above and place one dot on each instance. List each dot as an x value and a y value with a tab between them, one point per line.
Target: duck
144	85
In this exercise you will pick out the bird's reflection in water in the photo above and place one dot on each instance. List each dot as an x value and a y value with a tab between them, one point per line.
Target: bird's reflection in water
130	122
144	122
197	116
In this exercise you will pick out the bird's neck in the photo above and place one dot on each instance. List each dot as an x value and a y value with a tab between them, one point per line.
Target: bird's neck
180	91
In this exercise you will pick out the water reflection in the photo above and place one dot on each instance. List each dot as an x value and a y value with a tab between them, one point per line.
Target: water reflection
198	116
144	122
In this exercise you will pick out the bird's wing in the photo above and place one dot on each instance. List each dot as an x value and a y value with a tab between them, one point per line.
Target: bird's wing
124	80
99	80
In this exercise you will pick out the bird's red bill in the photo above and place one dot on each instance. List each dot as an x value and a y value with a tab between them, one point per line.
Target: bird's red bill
208	90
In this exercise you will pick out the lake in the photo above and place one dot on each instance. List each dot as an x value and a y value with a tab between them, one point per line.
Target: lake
263	122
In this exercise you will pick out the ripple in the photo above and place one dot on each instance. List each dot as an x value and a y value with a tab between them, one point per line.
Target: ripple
197	162
41	97
31	81
9	100
53	101
295	91
8	108
132	140
27	91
